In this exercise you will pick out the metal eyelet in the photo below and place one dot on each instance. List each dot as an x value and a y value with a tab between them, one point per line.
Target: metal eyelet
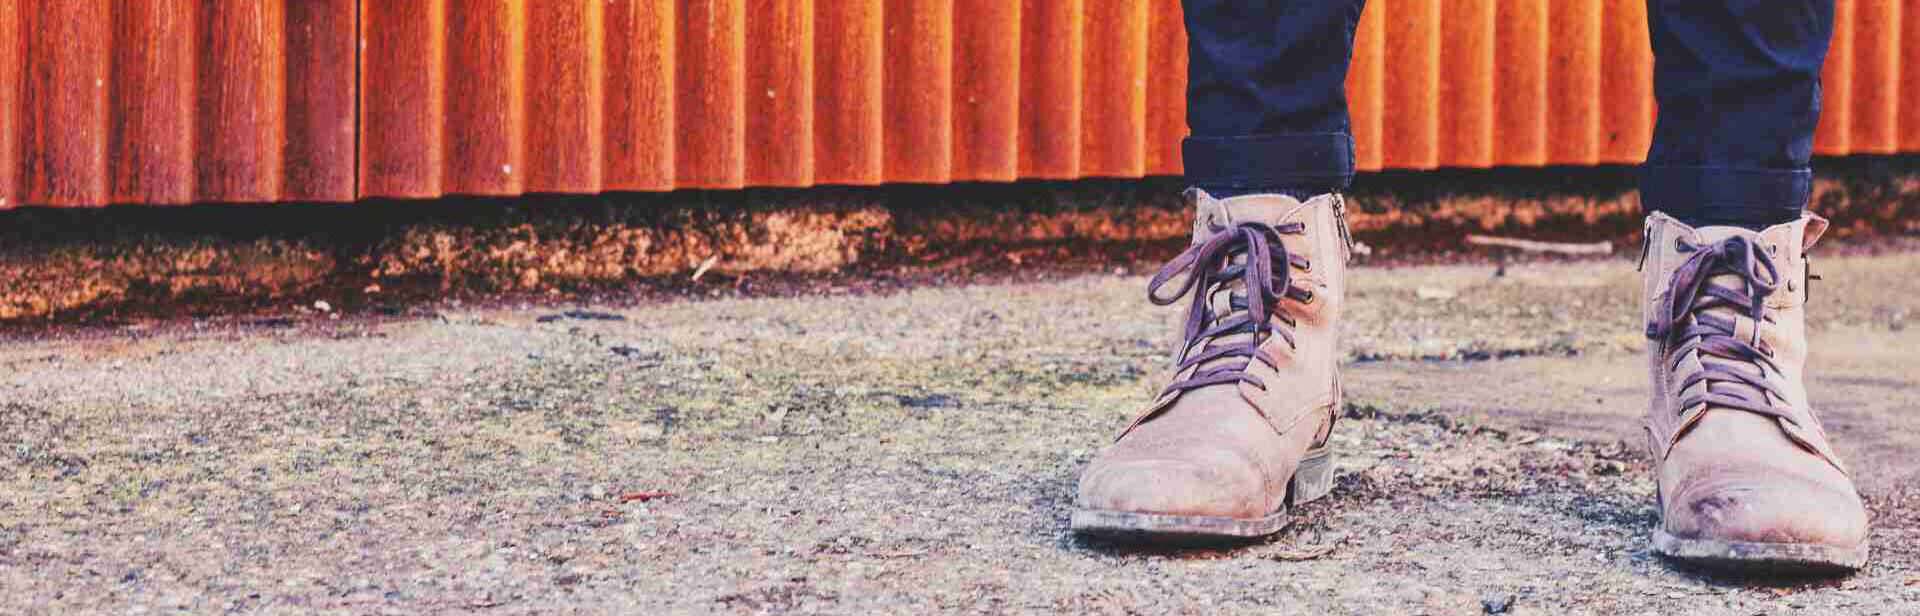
1309	298
1306	266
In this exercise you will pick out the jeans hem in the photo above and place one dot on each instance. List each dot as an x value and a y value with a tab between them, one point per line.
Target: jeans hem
1303	161
1725	193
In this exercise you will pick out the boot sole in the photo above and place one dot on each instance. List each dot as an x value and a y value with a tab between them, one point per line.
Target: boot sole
1311	482
1761	558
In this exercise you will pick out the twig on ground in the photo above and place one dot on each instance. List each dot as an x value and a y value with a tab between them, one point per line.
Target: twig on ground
892	555
1565	248
704	266
644	496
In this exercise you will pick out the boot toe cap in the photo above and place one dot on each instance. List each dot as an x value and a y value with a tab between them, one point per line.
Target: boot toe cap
1767	508
1219	488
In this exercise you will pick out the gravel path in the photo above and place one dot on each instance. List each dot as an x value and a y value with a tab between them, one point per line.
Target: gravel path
907	453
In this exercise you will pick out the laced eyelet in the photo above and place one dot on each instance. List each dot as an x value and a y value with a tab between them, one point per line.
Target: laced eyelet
1309	298
1306	266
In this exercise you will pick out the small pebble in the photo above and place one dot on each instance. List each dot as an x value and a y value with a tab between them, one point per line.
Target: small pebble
1497	603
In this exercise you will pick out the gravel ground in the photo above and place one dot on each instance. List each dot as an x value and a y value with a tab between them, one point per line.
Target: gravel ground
906	453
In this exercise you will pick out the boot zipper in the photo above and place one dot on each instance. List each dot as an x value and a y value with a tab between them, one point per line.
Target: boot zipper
1810	277
1340	214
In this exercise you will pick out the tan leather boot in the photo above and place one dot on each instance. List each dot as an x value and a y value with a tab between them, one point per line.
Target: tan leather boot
1747	478
1241	432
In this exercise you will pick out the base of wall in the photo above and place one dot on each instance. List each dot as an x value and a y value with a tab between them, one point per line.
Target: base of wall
117	265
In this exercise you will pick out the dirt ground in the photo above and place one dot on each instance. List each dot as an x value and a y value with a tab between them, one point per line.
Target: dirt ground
907	452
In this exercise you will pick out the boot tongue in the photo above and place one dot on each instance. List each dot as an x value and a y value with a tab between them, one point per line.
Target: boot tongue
1217	216
1717	234
1708	236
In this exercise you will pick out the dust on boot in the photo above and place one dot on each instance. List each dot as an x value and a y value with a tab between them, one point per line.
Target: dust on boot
1241	432
1747	477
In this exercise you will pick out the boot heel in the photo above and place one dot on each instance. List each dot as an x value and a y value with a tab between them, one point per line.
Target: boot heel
1314	479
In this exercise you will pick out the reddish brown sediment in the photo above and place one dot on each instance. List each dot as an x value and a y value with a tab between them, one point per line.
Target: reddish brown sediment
74	265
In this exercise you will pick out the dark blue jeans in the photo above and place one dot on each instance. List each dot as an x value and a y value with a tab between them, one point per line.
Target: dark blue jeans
1738	85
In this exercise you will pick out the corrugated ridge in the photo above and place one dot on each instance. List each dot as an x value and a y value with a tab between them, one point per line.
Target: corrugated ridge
1051	78
917	91
1626	83
1835	132
847	91
986	90
1366	88
403	113
13	49
780	98
172	101
642	46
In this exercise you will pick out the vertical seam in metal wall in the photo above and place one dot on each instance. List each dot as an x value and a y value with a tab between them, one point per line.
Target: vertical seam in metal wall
359	93
20	188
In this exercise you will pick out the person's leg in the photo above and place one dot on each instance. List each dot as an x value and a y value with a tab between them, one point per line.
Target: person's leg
1240	433
1266	95
1738	85
1747	478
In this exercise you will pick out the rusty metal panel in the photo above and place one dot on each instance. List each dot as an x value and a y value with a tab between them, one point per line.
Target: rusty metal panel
175	101
172	101
1366	88
240	132
711	106
1834	135
986	90
1626	83
780	67
12	61
1166	104
917	91
565	106
1908	100
641	46
63	148
1411	96
1467	54
848	90
403	111
1113	114
1874	113
1051	77
321	95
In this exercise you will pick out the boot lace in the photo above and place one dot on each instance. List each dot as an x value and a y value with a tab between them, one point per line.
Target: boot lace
1252	255
1683	323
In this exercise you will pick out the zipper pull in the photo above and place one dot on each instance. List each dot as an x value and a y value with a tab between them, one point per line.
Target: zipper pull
1340	215
1807	261
1646	247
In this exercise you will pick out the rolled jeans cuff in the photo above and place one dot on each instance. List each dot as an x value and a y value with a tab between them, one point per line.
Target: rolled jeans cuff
1726	194
1316	162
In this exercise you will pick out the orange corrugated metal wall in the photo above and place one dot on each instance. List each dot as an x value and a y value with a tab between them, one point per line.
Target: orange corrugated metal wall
173	101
